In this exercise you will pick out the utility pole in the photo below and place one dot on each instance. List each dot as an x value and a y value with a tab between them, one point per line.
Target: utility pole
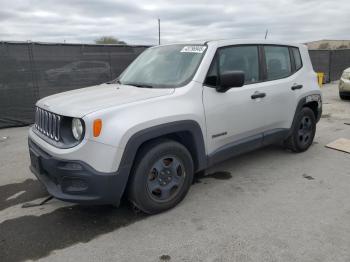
267	31
158	31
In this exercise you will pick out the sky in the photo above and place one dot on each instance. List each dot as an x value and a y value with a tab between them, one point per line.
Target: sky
135	22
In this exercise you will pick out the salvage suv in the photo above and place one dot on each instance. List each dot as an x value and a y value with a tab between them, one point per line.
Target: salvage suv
176	110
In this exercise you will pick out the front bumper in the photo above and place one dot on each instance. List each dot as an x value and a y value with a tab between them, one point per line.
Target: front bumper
75	181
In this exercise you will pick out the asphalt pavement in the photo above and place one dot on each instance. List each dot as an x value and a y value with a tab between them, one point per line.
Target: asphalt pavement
267	205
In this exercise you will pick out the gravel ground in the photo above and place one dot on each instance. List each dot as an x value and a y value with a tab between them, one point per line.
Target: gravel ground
268	205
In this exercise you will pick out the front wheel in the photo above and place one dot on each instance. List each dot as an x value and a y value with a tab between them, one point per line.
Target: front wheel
161	177
303	132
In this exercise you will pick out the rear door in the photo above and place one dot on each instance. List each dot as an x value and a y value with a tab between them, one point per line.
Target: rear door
281	86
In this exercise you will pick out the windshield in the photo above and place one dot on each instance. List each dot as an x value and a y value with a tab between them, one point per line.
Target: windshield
164	66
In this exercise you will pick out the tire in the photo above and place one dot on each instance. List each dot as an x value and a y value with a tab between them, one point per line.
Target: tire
161	176
343	97
303	131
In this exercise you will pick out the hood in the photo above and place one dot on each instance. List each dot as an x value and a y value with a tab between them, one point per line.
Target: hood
80	102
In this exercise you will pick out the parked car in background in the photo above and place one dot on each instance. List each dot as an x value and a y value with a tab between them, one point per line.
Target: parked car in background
86	72
344	84
176	110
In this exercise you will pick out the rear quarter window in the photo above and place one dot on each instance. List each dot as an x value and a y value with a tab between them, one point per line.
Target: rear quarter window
297	58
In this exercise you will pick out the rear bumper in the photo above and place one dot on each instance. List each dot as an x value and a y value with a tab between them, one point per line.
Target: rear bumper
75	181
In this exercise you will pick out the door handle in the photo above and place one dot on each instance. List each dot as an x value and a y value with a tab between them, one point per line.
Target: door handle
258	95
295	87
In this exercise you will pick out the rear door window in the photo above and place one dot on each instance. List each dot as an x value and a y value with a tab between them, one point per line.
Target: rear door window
277	62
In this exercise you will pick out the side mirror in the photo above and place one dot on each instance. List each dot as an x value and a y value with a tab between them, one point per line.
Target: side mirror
230	79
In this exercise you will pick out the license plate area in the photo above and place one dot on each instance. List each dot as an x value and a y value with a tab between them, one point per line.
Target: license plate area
35	162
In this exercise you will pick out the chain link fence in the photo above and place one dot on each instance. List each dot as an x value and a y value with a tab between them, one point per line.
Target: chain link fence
331	62
30	71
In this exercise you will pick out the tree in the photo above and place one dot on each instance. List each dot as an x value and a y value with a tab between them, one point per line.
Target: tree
342	47
324	46
109	40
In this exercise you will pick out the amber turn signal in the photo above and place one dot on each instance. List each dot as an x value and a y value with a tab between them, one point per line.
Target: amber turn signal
97	127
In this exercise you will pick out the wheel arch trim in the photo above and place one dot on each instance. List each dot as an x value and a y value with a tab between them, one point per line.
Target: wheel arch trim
154	132
304	101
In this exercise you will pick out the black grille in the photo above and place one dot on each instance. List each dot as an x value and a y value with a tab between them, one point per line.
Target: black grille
48	123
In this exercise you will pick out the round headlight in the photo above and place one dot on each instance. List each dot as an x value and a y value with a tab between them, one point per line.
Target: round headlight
77	128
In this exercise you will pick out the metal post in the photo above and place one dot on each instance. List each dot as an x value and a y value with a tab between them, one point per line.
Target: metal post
330	66
158	31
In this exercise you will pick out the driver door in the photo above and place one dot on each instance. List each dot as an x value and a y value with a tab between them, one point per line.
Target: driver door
235	120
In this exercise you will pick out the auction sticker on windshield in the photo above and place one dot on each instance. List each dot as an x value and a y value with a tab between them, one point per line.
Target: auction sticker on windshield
193	49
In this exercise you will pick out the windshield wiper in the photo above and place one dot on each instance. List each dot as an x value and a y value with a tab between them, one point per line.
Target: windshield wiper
139	85
114	81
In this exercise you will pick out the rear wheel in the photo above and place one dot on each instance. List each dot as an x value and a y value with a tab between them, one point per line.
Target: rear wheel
303	131
161	177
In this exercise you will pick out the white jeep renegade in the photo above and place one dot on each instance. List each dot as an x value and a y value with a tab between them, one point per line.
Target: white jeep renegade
176	110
